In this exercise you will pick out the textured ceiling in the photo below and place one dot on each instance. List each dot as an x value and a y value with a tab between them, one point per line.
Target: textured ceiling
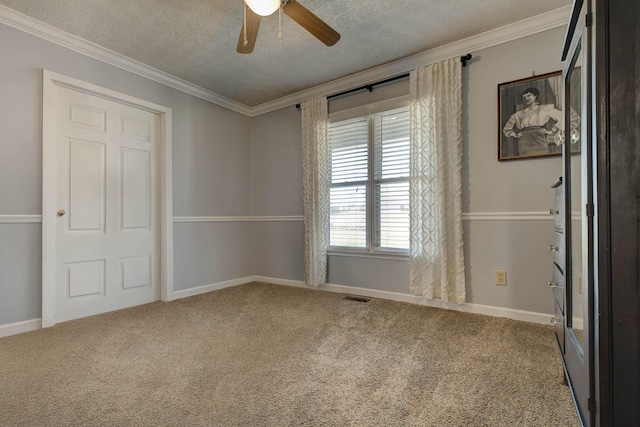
195	40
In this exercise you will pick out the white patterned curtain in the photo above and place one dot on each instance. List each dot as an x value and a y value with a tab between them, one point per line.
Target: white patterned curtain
556	87
316	179
436	265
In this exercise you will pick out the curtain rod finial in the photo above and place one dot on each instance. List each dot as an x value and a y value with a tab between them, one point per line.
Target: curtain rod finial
465	58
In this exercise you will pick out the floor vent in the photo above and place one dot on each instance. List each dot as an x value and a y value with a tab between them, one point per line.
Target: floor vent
357	298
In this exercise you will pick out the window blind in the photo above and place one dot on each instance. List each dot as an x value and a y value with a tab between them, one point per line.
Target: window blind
349	183
369	196
391	171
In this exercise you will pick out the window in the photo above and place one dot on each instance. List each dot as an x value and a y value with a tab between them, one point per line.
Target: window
369	195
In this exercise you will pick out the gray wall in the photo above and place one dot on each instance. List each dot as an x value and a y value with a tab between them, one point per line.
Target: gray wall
20	272
513	186
211	171
226	164
277	191
518	246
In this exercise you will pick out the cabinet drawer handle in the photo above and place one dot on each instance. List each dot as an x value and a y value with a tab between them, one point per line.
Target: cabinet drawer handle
555	321
554	211
553	284
553	248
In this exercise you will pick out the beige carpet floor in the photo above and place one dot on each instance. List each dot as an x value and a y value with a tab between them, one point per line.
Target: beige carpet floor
267	355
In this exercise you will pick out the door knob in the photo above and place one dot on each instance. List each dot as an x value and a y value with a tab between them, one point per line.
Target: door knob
61	212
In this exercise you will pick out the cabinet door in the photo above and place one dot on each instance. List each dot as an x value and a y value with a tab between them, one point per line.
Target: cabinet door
578	218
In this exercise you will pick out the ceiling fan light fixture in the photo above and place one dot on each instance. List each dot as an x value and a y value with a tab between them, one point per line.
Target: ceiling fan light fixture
263	7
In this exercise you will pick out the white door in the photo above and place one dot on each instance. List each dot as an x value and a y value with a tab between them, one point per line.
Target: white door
107	229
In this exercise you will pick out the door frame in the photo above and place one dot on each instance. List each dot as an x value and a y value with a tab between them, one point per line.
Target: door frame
51	83
578	358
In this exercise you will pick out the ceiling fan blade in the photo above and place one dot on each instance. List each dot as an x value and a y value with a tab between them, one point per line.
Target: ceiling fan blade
253	24
311	23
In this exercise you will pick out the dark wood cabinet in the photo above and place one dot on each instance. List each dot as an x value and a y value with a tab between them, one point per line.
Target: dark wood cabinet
597	280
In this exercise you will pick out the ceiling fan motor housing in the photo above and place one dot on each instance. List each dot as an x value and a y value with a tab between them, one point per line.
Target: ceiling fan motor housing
263	7
258	8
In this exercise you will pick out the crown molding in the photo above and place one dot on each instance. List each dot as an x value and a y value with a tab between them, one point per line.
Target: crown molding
543	22
526	27
52	34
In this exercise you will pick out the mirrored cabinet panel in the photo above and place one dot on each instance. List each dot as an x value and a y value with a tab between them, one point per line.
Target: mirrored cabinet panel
595	278
573	326
575	276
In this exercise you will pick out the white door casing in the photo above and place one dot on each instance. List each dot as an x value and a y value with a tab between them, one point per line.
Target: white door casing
107	164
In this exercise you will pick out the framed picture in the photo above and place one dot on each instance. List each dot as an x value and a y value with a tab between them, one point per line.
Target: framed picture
530	117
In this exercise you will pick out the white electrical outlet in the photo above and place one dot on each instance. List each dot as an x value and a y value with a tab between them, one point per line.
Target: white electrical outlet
501	277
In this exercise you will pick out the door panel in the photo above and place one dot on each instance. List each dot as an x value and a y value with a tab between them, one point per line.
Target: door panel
136	272
136	188
107	236
88	118
134	128
86	278
87	178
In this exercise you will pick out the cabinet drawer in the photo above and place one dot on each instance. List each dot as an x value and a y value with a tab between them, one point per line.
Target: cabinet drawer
557	248
558	205
557	286
557	212
558	320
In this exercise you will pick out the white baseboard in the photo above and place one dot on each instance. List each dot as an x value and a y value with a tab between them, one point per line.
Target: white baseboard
578	323
35	324
285	282
20	327
212	287
521	315
509	313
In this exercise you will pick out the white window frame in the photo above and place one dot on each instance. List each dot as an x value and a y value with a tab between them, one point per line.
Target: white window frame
371	217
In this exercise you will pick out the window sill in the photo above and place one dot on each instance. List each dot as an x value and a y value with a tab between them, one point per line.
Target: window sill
395	256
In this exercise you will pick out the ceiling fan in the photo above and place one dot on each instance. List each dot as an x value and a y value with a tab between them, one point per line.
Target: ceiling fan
256	9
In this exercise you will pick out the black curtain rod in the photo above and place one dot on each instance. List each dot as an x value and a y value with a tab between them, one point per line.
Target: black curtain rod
369	87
